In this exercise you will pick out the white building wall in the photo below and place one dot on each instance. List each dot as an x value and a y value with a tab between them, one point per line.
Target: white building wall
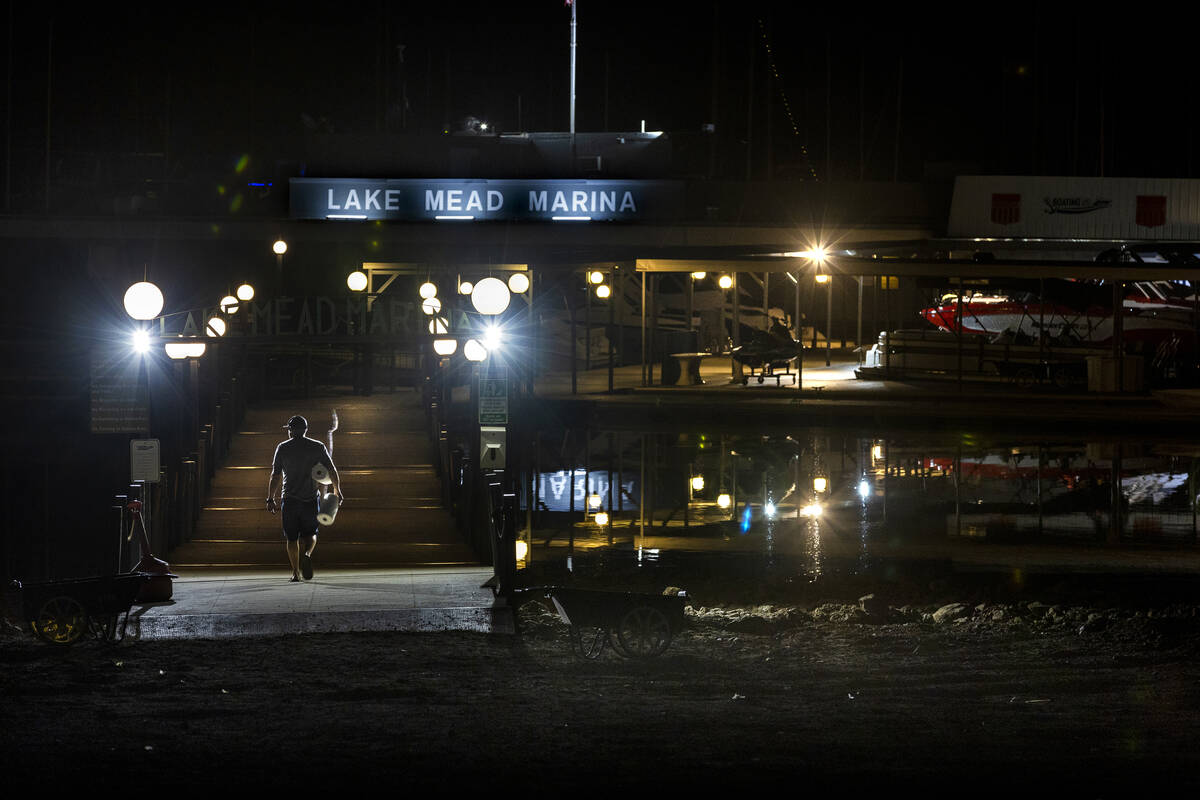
1122	209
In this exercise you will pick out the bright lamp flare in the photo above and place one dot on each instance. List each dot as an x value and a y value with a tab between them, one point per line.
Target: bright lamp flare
725	281
699	276
357	280
864	489
215	327
474	351
596	277
280	247
439	326
812	510
490	296
769	510
518	283
492	338
245	293
698	483
819	484
724	500
466	287
141	341
229	304
445	347
601	518
603	292
822	278
431	305
143	300
522	549
427	290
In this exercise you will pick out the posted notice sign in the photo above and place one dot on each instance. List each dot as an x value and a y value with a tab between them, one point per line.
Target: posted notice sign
493	401
143	460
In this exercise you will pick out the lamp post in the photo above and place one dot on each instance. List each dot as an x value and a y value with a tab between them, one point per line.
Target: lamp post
279	248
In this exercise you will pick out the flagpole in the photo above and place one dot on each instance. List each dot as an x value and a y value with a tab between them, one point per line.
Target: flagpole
573	3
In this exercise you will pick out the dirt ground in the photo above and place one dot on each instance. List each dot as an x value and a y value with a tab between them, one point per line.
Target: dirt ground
989	698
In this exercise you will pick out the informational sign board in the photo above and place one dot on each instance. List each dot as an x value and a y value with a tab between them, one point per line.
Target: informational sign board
119	403
493	401
144	460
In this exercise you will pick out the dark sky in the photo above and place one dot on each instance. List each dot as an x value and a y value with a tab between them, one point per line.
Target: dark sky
1027	89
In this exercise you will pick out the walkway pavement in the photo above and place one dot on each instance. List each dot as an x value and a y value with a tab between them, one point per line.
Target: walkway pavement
392	560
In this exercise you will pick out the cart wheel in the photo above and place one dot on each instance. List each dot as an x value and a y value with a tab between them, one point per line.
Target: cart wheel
588	641
1024	378
643	632
62	620
760	378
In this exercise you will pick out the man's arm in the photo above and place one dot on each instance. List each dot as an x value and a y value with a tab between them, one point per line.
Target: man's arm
272	490
334	480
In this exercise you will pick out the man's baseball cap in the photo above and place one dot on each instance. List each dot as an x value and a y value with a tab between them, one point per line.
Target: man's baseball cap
297	423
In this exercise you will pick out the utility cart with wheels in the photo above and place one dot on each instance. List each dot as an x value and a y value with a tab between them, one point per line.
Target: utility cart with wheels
63	612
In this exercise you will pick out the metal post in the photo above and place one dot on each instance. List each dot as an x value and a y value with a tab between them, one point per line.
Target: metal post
858	340
612	330
574	370
829	322
643	282
587	324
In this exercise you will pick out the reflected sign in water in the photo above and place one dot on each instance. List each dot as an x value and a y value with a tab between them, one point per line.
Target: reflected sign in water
567	491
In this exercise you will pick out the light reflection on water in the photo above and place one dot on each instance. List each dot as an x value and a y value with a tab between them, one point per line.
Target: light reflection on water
752	497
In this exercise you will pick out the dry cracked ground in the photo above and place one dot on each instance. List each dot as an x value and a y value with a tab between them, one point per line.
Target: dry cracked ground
979	697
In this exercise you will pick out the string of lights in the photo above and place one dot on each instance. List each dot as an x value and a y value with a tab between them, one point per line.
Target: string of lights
783	95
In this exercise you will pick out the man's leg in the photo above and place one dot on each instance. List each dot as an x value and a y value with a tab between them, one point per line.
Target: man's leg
308	537
293	551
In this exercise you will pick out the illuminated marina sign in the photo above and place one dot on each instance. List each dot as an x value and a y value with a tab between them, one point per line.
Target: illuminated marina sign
427	200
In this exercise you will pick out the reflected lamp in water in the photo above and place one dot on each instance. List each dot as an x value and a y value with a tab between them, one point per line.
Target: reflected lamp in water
698	483
601	518
724	500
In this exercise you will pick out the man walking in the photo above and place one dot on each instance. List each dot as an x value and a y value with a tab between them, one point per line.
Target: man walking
293	466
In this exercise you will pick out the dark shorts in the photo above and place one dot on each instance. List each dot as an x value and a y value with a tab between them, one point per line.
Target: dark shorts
299	518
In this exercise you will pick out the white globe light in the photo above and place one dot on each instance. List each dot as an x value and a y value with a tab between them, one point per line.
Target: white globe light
466	287
603	291
428	290
474	351
518	282
699	275
596	277
819	484
698	483
215	327
280	247
492	338
184	349
143	300
245	293
229	304
357	281
723	500
490	296
431	305
445	347
725	281
439	325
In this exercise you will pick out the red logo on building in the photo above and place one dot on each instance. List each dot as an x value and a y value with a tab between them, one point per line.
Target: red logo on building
1006	208
1151	210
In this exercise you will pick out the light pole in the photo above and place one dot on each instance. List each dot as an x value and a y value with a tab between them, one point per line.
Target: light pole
279	248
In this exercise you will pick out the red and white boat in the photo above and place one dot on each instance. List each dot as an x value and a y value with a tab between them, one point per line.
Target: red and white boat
1154	312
